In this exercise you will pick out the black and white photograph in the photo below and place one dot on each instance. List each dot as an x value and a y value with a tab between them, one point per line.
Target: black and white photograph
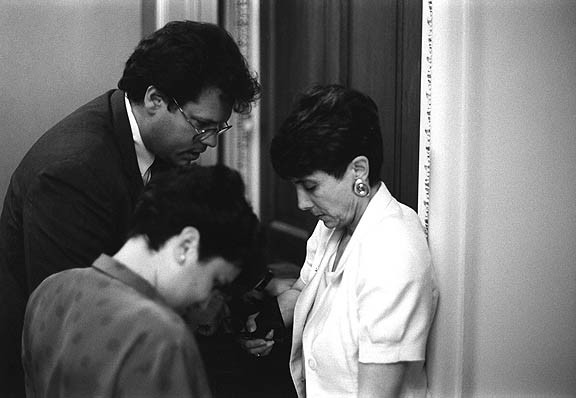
288	198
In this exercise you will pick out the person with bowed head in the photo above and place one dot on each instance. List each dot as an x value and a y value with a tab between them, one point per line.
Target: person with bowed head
364	302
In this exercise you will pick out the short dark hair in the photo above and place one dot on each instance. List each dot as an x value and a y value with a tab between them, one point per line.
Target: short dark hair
327	128
210	199
184	58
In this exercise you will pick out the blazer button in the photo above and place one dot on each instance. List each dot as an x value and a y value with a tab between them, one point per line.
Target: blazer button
312	363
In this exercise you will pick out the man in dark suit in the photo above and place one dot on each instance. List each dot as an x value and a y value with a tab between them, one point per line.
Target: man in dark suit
72	195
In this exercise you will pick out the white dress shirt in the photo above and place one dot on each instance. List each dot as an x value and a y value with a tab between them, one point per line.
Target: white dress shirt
143	155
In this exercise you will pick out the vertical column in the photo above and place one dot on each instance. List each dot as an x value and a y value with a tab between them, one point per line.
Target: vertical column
425	116
172	10
241	147
447	90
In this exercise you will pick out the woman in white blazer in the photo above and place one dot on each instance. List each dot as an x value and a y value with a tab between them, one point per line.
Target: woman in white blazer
363	305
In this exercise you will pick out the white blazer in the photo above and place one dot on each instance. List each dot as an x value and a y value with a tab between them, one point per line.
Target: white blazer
377	307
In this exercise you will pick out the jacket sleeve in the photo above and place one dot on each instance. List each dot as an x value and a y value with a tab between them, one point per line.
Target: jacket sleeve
68	220
396	297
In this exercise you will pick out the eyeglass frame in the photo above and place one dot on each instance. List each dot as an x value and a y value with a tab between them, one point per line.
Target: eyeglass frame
203	134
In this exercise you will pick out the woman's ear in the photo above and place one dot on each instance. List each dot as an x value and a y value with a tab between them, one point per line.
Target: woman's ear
187	248
360	167
153	100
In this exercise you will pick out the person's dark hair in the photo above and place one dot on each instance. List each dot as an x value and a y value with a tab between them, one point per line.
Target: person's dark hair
327	128
210	199
185	57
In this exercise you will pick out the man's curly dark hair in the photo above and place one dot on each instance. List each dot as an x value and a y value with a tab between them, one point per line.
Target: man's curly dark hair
184	58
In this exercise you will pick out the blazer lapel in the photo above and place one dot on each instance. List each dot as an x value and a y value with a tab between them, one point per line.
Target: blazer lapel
372	216
303	307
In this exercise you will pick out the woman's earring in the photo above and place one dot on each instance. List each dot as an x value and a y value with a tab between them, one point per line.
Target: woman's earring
182	259
360	188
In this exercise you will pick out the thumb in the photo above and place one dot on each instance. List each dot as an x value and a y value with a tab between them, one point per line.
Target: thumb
251	323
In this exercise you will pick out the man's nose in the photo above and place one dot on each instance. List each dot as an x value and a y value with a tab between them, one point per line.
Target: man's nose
304	202
211	141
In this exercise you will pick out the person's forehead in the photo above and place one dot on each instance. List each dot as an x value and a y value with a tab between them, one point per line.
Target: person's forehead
317	176
209	107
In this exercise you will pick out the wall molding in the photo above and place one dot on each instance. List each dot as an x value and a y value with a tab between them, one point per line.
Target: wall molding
425	116
241	146
444	187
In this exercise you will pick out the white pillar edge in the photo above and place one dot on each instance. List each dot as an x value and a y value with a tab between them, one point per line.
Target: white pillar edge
255	149
449	190
161	13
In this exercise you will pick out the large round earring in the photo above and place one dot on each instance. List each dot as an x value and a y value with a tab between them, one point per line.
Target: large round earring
360	188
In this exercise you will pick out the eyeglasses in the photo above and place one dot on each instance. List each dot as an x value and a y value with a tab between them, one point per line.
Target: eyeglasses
202	134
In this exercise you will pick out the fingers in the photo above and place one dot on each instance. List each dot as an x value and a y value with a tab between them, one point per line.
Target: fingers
251	323
257	344
258	347
261	347
262	350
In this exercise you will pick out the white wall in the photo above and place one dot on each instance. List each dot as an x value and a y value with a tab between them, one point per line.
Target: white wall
503	197
55	55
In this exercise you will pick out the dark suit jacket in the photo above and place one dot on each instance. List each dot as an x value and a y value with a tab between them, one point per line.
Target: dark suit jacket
69	200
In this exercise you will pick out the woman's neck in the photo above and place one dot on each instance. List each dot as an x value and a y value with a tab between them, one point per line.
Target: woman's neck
362	206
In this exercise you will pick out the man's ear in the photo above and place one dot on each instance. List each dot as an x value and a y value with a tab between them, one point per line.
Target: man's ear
360	167
154	100
187	249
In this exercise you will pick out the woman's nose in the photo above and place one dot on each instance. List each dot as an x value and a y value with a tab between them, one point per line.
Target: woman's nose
304	202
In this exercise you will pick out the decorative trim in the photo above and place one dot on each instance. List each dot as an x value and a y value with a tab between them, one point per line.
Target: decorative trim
161	13
425	116
202	11
242	144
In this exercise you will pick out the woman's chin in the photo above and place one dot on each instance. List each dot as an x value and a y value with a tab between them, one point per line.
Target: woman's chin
328	223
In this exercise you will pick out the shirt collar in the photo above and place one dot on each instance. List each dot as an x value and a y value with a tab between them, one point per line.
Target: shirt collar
143	155
119	271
